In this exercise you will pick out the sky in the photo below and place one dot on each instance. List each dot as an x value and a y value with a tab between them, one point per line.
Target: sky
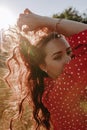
41	7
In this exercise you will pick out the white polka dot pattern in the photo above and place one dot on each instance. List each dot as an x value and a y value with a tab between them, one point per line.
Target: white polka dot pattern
66	97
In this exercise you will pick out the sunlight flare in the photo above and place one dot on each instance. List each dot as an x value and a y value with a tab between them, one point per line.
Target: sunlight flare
7	18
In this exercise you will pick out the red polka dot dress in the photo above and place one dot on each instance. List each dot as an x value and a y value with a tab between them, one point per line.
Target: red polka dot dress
66	97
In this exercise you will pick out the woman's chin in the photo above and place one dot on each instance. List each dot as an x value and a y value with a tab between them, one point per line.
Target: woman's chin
55	76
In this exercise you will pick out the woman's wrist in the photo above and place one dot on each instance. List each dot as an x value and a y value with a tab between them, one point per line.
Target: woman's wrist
52	23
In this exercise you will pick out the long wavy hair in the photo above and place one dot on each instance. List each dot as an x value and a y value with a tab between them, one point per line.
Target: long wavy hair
27	79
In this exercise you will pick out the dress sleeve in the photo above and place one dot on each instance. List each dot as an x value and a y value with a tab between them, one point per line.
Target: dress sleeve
78	43
78	39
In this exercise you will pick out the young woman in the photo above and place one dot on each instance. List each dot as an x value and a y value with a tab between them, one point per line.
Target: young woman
53	71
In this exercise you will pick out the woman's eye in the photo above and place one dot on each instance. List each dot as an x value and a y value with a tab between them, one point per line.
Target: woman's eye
57	58
69	53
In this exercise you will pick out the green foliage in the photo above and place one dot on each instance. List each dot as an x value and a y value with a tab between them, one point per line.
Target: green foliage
72	14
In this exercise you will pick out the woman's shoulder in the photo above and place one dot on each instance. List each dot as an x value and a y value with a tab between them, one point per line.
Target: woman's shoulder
79	38
80	35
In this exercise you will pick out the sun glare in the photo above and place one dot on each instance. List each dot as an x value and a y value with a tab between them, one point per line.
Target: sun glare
7	18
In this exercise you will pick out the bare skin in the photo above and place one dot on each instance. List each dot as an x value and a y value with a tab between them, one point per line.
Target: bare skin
58	54
34	22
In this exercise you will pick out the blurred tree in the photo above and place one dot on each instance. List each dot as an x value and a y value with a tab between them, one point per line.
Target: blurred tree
72	14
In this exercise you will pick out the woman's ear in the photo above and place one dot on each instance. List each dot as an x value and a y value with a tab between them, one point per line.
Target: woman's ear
43	67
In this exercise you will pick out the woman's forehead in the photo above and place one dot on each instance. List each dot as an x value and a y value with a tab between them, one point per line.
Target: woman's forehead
57	44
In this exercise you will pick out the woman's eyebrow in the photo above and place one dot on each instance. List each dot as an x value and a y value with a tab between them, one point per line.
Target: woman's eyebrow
58	52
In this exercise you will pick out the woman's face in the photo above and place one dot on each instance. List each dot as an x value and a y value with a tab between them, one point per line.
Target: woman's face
58	54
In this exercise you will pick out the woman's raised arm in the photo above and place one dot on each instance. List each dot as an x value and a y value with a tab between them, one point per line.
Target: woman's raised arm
63	26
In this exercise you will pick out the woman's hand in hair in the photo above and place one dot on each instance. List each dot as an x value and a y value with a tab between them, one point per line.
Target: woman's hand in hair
29	21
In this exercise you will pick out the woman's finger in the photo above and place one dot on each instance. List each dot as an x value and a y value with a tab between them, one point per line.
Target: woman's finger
27	11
